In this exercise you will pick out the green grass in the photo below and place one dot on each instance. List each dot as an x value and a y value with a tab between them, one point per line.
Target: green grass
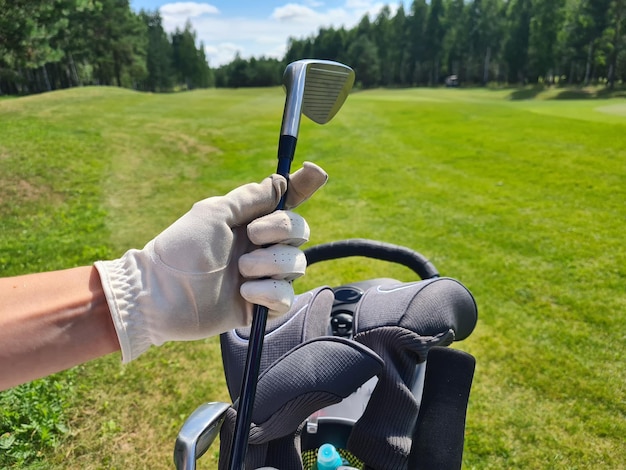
519	194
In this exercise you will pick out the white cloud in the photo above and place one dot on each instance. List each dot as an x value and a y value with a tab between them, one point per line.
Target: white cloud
222	53
224	36
187	10
294	12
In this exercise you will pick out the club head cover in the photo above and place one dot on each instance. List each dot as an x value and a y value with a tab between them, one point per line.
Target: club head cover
401	323
315	374
308	318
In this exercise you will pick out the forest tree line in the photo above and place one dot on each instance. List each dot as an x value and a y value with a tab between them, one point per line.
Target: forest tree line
65	43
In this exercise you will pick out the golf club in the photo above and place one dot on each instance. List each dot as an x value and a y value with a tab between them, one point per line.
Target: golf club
198	433
317	88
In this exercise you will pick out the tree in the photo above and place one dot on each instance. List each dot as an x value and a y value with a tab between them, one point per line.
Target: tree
365	61
455	37
190	65
117	44
545	24
251	72
399	52
269	72
617	24
597	11
585	25
382	38
63	43
483	36
329	44
158	53
416	23
434	34
516	47
298	49
572	41
30	35
206	78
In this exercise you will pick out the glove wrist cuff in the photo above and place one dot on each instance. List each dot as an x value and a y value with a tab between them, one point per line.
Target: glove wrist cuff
121	282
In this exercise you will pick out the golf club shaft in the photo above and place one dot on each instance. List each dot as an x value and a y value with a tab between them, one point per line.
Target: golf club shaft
286	151
248	388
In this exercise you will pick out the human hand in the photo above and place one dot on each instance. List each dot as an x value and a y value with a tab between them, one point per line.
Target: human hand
201	275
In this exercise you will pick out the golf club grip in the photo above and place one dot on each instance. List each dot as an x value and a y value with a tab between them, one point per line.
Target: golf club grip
286	150
413	260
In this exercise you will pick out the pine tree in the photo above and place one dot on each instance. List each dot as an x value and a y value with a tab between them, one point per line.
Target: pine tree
158	54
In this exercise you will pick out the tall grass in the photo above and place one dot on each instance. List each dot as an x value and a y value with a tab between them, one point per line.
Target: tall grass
522	200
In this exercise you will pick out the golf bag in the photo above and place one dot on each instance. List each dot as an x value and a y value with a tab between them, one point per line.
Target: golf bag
364	366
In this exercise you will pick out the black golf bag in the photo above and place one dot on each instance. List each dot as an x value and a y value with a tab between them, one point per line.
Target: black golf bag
365	367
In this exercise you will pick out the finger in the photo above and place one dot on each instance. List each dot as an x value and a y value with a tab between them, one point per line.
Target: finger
274	294
277	262
303	183
284	227
253	200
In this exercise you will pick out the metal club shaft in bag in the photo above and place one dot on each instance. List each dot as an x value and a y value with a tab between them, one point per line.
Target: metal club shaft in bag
317	89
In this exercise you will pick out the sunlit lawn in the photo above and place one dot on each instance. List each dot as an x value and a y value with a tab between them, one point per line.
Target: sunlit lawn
522	200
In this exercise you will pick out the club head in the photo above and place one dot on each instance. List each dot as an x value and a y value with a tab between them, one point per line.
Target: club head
315	88
198	433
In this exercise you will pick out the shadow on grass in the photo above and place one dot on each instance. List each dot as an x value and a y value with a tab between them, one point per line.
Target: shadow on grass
608	93
574	94
594	93
526	93
566	93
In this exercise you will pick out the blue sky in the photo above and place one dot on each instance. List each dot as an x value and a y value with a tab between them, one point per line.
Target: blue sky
255	28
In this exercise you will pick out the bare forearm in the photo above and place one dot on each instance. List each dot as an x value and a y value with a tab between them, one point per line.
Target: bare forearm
50	322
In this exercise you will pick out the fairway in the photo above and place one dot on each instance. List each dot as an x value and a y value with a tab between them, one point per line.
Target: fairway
619	109
520	195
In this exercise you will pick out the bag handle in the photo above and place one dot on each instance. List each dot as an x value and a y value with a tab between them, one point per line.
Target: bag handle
373	249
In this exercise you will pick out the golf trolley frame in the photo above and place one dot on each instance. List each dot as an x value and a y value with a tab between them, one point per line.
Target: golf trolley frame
441	386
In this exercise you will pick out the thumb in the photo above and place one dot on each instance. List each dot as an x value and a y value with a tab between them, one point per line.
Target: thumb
303	183
253	200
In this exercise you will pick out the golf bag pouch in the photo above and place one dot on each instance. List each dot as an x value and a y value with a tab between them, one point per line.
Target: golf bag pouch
439	434
313	375
401	323
308	318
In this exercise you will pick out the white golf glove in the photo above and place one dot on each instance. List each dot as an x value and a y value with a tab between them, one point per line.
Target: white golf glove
201	275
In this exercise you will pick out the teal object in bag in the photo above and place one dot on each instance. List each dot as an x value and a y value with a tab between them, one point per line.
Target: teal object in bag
328	458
